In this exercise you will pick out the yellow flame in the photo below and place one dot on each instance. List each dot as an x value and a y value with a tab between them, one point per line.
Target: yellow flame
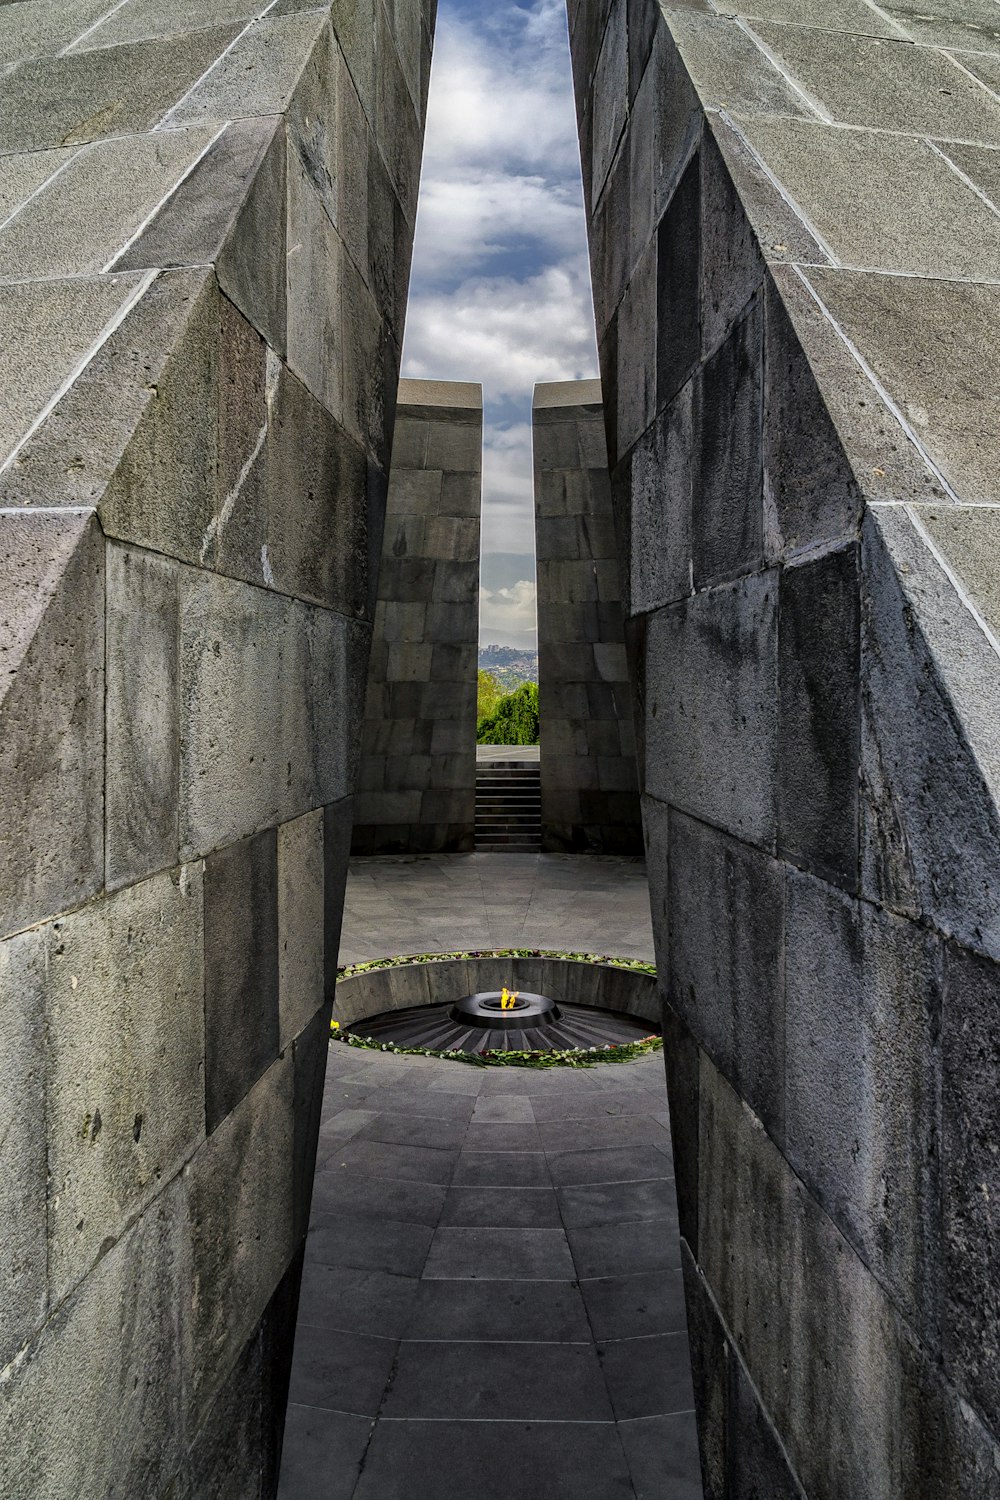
507	999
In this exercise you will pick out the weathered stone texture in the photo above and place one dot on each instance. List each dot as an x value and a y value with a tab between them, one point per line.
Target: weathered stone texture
417	780
588	779
797	327
206	216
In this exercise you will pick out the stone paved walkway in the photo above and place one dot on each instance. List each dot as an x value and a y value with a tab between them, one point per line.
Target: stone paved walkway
491	1305
433	903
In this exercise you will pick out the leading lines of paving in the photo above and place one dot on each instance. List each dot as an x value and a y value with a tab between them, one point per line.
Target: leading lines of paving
491	1303
440	903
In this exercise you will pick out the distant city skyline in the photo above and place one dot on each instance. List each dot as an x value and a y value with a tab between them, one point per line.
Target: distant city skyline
500	289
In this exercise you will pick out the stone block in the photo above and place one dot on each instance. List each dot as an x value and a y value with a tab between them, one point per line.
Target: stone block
712	1357
681	1056
269	705
638	331
660	492
820	726
969	1044
239	1190
173	448
726	65
83	96
726	947
727	515
337	821
310	1051
257	74
141	713
711	707
610	96
968	537
732	267
300	875
781	234
928	741
112	1350
242	962
42	30
862	1018
315	271
51	714
76	224
395	124
224	1458
125	1047
897	323
22	1145
678	334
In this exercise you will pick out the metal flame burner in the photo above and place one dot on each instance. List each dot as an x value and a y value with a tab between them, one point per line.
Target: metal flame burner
484	1010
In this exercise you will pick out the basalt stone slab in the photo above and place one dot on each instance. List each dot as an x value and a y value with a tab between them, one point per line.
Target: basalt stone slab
301	896
880	200
267	708
172	449
82	96
35	29
125	1062
899	324
927	770
660	488
22	1148
224	1458
51	714
240	1180
77	224
819	667
113	1351
969	1174
142	719
316	336
711	707
678	260
781	234
257	74
863	1016
727	510
55	326
726	925
242	1035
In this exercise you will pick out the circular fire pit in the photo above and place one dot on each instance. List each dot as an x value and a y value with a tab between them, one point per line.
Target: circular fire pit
495	1010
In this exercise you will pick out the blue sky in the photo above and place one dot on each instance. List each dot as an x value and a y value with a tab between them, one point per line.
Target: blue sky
500	287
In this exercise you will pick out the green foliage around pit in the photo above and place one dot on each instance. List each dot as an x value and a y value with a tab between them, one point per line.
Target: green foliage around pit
514	721
573	1057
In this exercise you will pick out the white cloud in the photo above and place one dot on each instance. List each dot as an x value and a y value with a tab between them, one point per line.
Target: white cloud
507	616
467	220
504	332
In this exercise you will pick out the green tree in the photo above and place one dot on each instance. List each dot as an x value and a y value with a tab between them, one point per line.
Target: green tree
489	694
514	721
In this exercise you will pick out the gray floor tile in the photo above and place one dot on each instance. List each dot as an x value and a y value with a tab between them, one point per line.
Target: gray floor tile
371	1244
599	1134
628	1102
395	1162
662	1455
648	1377
494	1461
503	1109
498	1382
499	1310
355	1299
322	1454
616	1202
414	1130
500	1254
501	1169
503	1138
339	1191
622	1249
620	1164
621	1307
341	1371
430	1103
502	1207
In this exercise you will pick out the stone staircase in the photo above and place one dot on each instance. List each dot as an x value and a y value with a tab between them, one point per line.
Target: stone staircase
508	806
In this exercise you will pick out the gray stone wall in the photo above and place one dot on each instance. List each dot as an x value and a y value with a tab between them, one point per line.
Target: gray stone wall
590	796
794	253
417	783
204	250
